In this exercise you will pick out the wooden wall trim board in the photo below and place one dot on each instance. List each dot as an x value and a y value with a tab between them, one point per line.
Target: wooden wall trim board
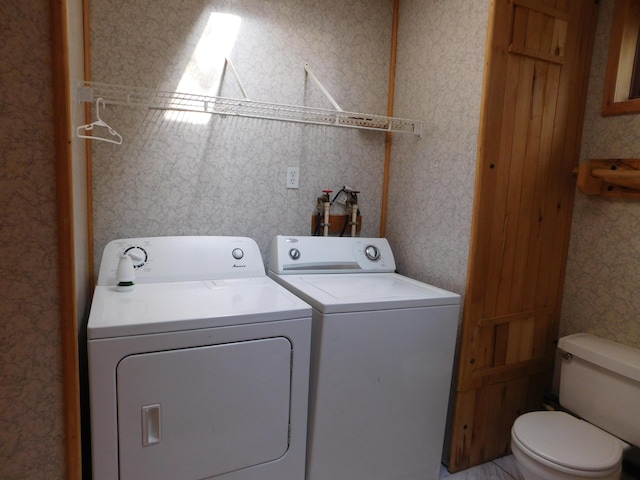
64	186
89	165
389	135
536	76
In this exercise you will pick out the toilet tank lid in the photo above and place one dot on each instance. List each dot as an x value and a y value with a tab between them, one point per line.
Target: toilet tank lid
616	357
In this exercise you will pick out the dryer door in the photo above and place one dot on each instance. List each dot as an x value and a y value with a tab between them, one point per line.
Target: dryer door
200	412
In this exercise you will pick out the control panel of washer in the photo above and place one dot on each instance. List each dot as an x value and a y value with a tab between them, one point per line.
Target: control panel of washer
305	254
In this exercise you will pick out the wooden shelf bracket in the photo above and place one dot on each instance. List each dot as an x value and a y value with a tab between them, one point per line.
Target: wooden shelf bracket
614	177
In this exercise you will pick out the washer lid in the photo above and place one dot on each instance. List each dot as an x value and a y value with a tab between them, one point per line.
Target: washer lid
567	441
359	292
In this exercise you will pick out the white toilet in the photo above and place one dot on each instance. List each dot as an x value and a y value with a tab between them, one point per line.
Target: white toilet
599	382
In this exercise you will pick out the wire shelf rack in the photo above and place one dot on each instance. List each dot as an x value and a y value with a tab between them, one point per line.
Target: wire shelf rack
165	100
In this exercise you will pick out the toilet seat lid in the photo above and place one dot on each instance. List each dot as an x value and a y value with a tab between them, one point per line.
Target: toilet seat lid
567	441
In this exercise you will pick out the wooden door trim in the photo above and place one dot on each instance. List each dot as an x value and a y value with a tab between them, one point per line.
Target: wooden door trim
65	212
532	109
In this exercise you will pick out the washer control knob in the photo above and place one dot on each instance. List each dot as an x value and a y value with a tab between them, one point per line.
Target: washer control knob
294	253
237	253
372	252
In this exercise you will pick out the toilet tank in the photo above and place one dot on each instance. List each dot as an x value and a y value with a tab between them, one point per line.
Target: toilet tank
600	382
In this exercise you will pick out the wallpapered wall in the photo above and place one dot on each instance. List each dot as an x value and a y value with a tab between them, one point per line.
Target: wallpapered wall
176	177
603	271
226	175
31	410
439	79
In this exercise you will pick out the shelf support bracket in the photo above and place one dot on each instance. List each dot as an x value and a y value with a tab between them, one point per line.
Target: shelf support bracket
227	62
321	87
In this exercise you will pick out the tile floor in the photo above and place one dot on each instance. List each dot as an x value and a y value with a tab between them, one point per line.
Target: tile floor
500	469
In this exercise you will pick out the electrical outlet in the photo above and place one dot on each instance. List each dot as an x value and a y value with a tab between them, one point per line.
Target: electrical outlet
293	177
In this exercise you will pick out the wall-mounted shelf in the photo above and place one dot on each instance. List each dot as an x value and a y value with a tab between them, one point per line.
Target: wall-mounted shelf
165	100
614	177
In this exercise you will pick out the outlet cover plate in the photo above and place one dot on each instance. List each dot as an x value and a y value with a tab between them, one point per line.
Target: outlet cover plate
293	177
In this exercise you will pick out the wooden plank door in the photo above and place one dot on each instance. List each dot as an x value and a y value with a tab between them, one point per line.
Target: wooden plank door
538	58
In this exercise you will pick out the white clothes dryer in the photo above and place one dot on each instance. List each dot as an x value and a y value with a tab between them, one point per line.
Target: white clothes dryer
201	369
381	358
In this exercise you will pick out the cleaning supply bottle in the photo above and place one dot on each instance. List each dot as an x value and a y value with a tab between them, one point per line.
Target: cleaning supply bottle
125	276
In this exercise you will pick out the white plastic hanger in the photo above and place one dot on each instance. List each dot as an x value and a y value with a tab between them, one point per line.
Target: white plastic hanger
82	129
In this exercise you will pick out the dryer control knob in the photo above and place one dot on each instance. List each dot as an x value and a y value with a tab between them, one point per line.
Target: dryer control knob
237	253
372	252
138	256
294	253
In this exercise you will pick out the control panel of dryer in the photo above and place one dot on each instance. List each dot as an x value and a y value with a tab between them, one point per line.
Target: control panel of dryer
306	254
180	259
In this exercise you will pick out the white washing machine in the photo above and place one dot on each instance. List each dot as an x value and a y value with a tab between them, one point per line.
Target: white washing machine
200	371
381	359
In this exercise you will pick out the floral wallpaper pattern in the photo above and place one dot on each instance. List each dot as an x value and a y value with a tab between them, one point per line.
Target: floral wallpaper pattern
439	79
176	174
603	269
31	405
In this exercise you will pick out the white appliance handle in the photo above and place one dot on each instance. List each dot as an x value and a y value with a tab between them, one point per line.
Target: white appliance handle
151	433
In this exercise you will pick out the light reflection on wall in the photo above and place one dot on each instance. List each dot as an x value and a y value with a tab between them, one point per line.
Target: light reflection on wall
204	72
